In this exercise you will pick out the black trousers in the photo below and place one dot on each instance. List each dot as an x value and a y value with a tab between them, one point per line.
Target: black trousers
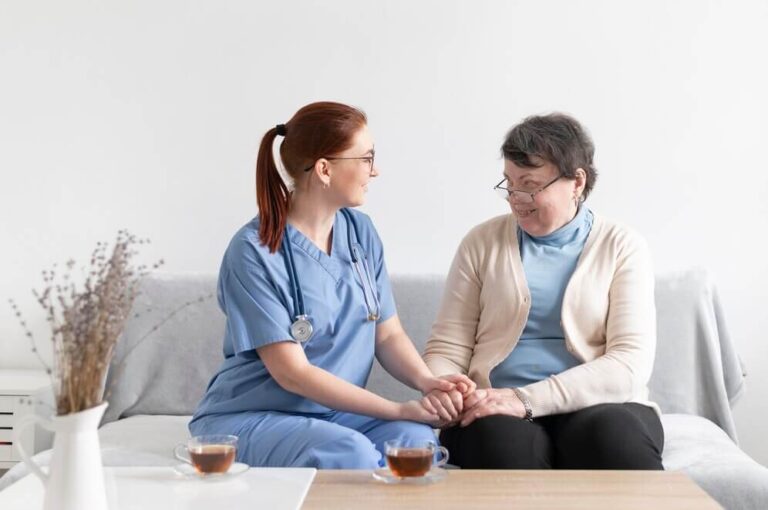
605	436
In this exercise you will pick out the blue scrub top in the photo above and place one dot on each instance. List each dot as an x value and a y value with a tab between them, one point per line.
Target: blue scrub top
254	292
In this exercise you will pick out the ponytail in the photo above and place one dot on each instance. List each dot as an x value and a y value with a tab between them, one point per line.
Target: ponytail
272	195
316	131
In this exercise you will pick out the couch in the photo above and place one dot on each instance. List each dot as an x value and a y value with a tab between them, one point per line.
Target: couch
172	346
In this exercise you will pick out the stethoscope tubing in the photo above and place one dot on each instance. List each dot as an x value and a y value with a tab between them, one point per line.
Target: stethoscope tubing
363	273
298	295
372	315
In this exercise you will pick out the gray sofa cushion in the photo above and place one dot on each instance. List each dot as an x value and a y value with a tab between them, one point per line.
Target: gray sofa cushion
167	371
705	452
696	370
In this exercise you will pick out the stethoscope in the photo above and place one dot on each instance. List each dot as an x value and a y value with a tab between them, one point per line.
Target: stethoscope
301	328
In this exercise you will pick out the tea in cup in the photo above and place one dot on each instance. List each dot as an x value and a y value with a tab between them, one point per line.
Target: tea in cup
413	458
211	454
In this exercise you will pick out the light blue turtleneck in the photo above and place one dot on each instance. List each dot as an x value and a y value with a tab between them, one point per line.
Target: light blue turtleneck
549	262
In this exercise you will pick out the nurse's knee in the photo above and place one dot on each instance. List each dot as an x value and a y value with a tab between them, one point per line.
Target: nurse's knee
348	451
412	431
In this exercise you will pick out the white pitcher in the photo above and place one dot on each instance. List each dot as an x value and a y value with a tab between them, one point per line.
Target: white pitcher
75	479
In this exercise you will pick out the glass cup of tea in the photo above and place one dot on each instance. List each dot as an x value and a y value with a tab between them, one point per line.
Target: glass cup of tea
211	454
412	458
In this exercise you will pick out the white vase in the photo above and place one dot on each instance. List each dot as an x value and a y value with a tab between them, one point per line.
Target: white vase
75	479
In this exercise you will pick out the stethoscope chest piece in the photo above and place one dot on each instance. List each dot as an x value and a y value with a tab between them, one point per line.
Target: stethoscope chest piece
301	329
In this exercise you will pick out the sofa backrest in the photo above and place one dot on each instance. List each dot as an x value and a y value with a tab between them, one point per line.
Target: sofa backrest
173	346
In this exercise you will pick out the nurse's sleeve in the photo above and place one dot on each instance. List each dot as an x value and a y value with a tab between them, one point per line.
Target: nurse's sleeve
386	299
256	313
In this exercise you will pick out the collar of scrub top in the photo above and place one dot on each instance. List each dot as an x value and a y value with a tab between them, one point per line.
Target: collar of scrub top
301	328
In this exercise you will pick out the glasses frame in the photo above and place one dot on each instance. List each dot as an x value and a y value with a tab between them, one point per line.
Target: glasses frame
367	158
520	193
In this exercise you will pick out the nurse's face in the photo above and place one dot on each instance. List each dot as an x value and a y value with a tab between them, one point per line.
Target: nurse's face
553	204
350	176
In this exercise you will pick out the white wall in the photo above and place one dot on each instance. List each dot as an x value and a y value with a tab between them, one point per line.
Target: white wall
147	115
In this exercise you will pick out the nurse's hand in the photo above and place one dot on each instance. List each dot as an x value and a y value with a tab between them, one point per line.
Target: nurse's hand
487	402
446	404
413	410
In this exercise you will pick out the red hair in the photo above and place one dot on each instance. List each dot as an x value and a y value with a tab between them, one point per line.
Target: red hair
315	131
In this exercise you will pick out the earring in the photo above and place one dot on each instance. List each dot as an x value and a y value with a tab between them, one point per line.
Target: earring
326	185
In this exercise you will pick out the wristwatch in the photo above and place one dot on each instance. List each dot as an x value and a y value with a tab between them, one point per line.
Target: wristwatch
526	404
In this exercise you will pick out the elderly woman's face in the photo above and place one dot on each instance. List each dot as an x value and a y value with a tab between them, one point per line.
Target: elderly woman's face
551	207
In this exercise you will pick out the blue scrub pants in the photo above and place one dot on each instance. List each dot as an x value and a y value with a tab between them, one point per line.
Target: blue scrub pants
334	441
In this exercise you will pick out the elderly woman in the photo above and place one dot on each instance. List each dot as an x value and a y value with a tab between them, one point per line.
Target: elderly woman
550	310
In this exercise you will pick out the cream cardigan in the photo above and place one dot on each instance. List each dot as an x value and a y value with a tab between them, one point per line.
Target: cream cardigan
608	316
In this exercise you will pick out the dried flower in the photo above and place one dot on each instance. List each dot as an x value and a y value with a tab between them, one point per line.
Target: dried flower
86	323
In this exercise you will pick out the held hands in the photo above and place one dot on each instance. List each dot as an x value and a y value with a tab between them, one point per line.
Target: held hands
447	405
454	399
444	397
452	406
443	400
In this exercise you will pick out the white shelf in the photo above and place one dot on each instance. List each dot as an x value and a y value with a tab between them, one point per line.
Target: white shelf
15	384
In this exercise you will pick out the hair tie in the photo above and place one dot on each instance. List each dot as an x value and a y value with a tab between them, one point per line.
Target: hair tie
280	129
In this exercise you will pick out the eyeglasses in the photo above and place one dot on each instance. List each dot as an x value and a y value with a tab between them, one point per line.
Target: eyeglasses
367	159
523	197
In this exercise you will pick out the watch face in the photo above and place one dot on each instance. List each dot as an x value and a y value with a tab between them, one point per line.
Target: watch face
301	330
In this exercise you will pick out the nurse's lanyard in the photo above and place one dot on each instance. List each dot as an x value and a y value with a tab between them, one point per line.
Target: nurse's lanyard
301	329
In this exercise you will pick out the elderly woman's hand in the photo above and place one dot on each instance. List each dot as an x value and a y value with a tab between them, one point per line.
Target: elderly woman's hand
464	384
487	402
449	382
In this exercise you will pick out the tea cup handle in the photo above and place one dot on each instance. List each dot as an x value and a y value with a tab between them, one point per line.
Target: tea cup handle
444	460
18	430
181	457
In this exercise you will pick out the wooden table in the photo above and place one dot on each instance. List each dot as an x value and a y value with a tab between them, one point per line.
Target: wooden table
481	489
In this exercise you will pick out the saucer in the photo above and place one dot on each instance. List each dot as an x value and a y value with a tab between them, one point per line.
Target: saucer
433	475
187	471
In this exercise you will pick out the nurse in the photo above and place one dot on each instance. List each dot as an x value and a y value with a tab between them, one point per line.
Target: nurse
308	305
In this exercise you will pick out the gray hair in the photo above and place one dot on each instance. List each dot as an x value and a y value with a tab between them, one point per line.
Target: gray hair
556	138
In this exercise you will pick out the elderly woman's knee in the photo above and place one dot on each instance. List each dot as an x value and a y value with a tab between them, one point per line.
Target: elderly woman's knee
608	436
606	423
499	442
